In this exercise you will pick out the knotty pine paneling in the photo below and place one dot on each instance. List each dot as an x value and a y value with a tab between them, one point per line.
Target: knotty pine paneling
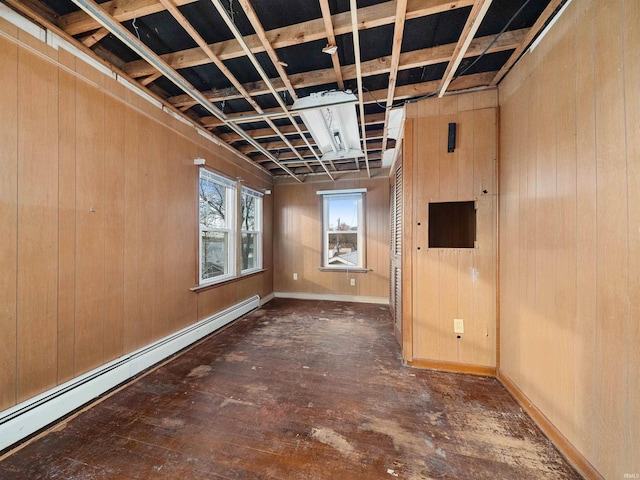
9	214
569	219
452	283
98	197
298	240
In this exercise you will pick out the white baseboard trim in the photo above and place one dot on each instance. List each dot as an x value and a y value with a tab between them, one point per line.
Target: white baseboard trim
26	418
267	298
331	297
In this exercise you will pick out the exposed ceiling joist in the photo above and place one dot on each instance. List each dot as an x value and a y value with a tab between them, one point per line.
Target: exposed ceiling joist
478	11
390	52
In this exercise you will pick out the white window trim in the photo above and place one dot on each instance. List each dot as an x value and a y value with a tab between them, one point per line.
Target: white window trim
258	221
230	220
326	196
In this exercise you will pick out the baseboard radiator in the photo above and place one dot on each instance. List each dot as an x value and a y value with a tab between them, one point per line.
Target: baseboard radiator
28	417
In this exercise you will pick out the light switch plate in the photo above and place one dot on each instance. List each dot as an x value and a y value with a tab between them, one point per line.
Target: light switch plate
458	325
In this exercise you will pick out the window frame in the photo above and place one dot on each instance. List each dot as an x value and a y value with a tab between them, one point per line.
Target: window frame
258	219
327	197
229	228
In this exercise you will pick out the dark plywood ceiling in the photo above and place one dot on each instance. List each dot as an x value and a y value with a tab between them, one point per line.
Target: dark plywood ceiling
235	67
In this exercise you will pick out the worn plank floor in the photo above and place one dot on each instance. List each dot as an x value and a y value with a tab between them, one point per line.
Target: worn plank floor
297	390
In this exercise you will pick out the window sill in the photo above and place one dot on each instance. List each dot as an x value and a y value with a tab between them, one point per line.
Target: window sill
207	286
345	269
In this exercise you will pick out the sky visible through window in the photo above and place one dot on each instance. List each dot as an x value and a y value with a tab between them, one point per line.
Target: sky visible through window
345	209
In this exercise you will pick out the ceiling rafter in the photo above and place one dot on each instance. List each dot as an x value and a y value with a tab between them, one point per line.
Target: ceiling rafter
331	41
533	32
93	38
236	33
398	33
356	51
171	6
478	11
271	52
370	17
408	60
405	92
115	27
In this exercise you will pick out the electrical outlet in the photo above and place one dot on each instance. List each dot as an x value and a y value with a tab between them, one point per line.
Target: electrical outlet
295	276
353	282
458	325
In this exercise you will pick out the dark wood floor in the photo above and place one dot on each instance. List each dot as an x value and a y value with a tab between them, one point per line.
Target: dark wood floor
297	390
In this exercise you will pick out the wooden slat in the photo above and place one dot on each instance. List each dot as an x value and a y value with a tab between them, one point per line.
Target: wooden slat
356	52
268	48
398	35
408	60
95	37
331	40
313	30
478	11
37	224
9	214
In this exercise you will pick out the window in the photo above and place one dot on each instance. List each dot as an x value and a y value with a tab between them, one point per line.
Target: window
217	225
251	229
343	229
452	225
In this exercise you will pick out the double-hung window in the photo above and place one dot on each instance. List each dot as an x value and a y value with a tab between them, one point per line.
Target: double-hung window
251	230
343	229
217	226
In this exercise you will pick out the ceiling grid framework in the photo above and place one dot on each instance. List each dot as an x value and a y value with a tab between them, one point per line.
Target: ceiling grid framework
235	67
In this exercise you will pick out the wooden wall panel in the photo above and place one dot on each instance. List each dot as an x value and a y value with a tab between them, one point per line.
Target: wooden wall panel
578	216
132	335
9	214
37	224
98	197
631	39
66	218
90	226
586	240
454	283
114	169
612	301
298	240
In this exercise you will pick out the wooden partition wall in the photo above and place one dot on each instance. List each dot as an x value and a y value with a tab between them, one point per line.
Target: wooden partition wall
442	284
98	201
570	231
298	240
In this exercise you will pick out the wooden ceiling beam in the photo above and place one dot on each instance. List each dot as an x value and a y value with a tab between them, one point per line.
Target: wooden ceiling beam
529	37
370	17
408	60
266	45
331	41
79	22
478	11
405	92
398	33
95	37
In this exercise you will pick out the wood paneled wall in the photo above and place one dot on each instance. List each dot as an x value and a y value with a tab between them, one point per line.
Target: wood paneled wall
298	240
442	284
570	230
98	200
